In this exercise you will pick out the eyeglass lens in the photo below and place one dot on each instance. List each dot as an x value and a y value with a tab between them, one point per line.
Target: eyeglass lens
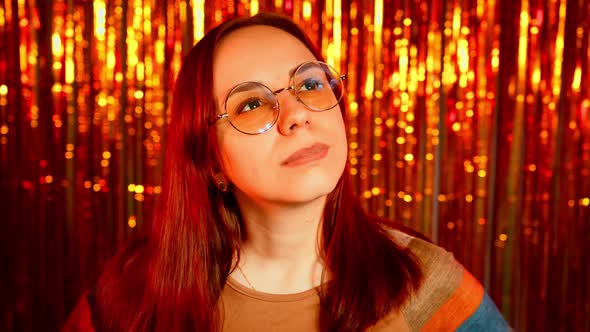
253	108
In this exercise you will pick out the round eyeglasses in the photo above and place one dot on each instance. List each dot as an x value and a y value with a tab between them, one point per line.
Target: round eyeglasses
253	108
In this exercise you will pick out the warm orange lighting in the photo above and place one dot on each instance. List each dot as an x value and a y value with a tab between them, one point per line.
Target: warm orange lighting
306	10
577	78
139	189
199	18
132	222
253	7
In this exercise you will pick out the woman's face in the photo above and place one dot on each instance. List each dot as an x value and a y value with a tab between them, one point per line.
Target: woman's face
302	157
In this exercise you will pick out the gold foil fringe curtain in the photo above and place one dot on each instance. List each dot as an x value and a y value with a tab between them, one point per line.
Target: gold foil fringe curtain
468	121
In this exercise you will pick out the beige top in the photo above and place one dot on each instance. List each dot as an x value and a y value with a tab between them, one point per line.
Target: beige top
245	310
449	298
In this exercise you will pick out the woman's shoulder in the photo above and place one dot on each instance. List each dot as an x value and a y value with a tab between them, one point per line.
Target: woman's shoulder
442	273
430	256
450	297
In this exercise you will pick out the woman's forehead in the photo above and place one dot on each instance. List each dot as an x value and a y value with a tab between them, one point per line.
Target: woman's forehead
257	53
258	37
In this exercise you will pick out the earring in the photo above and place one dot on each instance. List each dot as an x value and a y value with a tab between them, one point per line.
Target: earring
220	181
222	185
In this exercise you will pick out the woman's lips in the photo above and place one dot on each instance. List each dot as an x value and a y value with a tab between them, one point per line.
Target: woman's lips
307	155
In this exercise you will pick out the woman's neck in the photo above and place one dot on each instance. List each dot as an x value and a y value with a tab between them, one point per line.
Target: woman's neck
279	253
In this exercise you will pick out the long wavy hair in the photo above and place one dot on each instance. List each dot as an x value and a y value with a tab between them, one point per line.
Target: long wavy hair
172	279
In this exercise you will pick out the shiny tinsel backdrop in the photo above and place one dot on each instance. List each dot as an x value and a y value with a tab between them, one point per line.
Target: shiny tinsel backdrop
469	121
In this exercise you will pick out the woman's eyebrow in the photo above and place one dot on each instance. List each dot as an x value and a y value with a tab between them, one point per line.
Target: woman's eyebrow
291	72
294	69
242	88
237	88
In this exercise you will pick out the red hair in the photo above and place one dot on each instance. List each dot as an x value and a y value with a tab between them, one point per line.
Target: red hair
173	278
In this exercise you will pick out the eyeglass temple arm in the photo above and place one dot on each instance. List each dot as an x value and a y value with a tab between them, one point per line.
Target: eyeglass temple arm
219	116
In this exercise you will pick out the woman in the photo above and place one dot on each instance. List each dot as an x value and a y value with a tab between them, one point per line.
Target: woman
257	227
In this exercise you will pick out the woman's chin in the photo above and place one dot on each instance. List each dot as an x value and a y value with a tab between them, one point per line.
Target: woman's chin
302	193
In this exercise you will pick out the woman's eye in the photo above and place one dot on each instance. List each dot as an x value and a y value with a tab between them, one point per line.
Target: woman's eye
249	105
311	85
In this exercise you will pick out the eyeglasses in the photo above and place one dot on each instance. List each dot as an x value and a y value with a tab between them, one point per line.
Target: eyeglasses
253	108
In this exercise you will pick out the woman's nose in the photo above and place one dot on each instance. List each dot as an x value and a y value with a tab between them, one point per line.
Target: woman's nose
293	115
